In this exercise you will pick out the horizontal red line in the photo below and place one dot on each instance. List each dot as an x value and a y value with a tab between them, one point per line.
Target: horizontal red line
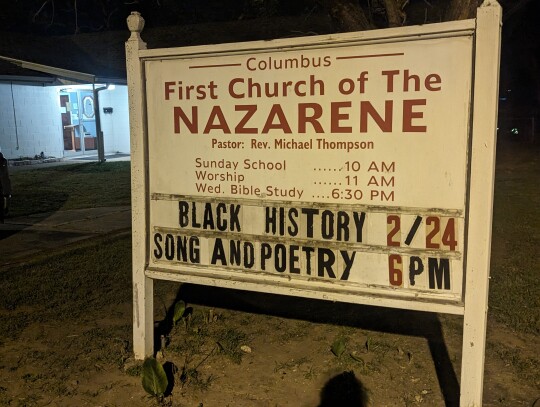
372	56
213	66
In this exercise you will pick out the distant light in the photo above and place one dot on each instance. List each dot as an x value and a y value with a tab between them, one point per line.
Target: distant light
514	131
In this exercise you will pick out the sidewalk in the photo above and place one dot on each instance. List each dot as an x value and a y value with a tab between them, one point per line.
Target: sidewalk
25	237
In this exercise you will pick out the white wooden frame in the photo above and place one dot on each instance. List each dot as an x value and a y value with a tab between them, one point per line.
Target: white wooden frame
486	29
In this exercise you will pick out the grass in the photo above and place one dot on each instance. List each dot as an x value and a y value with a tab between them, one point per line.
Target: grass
82	286
86	279
72	186
525	367
515	269
202	337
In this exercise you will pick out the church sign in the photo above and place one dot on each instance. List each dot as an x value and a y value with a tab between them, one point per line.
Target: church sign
355	167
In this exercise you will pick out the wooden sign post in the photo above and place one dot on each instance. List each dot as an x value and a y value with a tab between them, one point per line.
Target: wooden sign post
356	167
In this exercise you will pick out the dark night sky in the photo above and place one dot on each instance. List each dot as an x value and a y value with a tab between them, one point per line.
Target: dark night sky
520	59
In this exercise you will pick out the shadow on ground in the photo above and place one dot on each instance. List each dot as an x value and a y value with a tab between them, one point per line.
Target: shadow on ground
395	321
344	390
27	208
4	234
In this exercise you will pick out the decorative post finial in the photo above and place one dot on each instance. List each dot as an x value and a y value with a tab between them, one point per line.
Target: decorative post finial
135	24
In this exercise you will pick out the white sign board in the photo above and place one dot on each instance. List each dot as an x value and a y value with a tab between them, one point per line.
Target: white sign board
344	167
339	165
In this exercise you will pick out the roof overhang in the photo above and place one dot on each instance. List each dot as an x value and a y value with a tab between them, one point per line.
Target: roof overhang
64	76
30	80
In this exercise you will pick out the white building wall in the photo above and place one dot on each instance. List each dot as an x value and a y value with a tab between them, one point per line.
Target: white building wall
36	125
115	125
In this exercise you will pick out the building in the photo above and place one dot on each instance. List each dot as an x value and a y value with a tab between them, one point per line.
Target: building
49	86
49	90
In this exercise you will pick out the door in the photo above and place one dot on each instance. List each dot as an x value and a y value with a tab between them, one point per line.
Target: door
68	128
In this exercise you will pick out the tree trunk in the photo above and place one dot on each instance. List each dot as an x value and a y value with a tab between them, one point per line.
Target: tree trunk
462	9
393	13
347	15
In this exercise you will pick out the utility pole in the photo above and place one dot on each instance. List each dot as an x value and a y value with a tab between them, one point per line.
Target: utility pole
99	133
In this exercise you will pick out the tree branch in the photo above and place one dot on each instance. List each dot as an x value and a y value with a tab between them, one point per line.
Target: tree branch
76	17
393	13
347	15
461	10
39	11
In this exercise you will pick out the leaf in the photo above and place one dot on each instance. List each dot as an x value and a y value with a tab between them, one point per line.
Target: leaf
355	356
154	378
409	356
368	343
338	347
179	311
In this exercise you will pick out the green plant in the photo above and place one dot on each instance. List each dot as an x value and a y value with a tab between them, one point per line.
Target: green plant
229	341
356	357
310	374
338	347
134	370
368	343
154	378
179	312
193	377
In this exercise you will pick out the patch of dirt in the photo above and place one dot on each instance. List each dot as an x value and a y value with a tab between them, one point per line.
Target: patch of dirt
394	358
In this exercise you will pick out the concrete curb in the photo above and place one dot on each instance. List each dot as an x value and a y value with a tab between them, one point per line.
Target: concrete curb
17	163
